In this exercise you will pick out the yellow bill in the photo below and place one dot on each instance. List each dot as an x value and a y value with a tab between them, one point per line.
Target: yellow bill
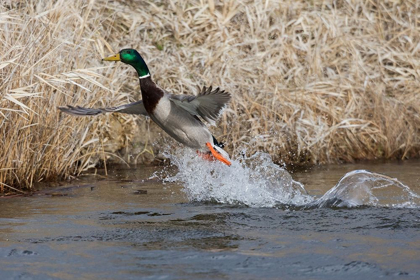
115	57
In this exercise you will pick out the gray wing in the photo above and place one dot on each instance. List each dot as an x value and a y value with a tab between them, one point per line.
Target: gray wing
207	104
135	108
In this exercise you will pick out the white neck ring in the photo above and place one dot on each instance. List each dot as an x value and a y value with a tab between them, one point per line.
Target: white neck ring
145	76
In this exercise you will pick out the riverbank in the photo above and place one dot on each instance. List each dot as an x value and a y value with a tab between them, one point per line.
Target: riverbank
312	81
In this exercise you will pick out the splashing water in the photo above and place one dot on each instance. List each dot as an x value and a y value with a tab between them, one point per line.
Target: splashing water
364	188
257	182
254	181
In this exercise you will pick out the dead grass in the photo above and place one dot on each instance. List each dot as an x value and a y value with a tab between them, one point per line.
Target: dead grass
312	81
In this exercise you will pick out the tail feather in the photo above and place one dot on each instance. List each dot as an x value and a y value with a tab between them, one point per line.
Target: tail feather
217	143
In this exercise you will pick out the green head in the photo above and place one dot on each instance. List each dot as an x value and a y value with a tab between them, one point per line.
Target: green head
132	57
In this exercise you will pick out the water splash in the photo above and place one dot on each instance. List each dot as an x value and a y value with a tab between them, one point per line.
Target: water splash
365	188
257	182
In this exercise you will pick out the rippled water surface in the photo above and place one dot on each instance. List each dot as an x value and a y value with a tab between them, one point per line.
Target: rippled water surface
199	220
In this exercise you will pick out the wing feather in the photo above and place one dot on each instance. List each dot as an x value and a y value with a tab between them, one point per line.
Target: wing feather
135	108
208	104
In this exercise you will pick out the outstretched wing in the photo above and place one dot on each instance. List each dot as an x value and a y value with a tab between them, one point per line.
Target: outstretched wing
135	108
207	104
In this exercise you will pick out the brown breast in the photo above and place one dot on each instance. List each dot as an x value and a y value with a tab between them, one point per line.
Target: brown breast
151	94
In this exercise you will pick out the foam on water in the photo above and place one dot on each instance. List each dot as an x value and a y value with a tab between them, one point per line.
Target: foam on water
257	182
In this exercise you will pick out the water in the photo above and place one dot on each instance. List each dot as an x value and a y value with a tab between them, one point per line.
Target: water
196	219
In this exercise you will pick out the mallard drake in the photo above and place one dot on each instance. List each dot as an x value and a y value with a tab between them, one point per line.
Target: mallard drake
175	114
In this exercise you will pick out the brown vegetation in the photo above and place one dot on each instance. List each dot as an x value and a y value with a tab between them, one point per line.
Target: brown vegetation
312	81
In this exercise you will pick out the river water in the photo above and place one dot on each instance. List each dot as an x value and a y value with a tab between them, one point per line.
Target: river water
201	220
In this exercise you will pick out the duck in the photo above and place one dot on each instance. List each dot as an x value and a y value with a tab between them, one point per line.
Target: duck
181	116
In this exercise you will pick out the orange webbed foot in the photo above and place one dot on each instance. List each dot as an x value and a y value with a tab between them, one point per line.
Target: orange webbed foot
207	156
217	155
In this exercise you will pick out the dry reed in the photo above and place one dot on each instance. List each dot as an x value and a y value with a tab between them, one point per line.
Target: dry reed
312	81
